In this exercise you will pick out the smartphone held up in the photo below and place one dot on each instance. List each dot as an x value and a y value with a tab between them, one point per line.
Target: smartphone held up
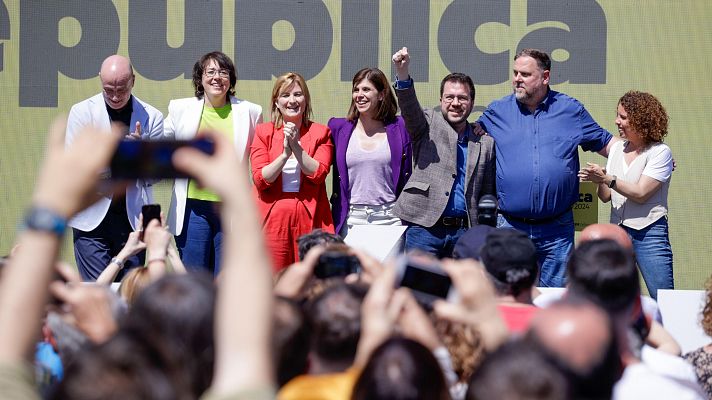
425	278
152	159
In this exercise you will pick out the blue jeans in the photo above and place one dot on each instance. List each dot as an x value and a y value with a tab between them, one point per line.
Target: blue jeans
654	255
201	239
554	242
437	240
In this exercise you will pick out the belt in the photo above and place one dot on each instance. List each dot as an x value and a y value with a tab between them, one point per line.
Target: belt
534	221
459	222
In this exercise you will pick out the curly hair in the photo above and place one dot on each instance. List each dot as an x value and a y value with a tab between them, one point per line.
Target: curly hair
646	115
707	310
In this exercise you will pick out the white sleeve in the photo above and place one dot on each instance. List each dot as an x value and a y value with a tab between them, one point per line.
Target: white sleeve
169	130
659	165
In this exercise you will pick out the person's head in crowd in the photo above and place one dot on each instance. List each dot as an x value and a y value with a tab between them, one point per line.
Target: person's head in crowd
464	344
64	336
470	243
214	74
510	260
117	80
290	88
133	283
175	317
372	83
315	238
642	115
121	368
517	370
579	339
61	330
606	231
290	340
334	320
401	369
603	272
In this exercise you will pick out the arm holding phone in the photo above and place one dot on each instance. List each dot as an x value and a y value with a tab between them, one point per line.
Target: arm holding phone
67	183
133	246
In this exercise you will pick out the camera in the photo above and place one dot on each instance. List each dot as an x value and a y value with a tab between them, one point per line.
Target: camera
487	210
426	278
334	263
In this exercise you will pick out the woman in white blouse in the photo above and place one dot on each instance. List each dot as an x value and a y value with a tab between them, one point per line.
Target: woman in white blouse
636	181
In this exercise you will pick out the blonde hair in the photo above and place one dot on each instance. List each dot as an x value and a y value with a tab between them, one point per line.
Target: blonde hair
133	283
283	83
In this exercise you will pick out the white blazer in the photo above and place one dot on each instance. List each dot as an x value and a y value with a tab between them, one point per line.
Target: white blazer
92	112
182	123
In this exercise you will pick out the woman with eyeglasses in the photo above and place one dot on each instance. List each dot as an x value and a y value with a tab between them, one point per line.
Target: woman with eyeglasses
290	159
193	215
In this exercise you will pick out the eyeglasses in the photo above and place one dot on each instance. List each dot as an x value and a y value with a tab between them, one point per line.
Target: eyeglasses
462	99
212	72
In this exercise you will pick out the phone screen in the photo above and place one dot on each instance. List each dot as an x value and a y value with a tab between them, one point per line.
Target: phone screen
141	159
149	212
425	281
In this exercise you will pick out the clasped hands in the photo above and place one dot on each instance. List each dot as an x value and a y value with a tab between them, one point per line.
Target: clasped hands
291	139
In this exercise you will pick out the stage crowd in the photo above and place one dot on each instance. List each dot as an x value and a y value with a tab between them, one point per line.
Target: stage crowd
246	286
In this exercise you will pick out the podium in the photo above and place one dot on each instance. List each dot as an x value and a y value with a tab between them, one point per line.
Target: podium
379	241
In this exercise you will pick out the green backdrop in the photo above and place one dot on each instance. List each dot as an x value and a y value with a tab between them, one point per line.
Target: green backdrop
601	49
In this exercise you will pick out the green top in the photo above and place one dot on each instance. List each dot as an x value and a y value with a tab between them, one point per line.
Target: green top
214	119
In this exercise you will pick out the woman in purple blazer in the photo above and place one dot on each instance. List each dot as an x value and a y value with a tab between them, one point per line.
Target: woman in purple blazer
373	155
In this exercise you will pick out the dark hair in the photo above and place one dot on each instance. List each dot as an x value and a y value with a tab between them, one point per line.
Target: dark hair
175	317
388	107
511	261
401	369
124	367
646	115
542	59
517	370
461	78
334	318
290	340
604	273
223	61
314	238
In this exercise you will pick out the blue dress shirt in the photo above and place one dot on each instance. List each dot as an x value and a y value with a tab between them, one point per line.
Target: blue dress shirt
537	153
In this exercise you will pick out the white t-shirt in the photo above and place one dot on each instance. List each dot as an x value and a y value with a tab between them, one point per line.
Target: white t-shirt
291	176
655	162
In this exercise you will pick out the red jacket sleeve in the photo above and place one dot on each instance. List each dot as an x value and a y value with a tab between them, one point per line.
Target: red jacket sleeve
259	154
323	149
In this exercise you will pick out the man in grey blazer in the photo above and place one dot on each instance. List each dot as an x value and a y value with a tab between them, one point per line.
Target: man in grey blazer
101	230
452	167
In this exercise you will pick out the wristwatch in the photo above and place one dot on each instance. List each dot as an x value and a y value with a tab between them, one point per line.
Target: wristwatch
613	182
117	261
45	220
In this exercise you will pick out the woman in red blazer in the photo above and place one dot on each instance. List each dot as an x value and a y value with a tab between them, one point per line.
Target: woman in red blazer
290	158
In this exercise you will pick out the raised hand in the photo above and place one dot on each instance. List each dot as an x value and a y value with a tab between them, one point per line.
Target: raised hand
401	61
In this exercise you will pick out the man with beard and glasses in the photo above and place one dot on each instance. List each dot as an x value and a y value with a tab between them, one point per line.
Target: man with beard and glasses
452	167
